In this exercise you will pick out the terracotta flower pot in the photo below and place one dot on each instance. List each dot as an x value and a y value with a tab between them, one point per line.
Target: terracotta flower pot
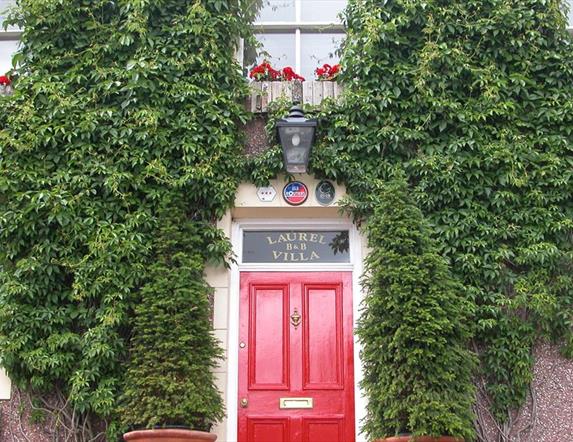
420	439
169	435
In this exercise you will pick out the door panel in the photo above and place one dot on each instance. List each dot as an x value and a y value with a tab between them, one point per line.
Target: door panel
269	337
323	430
322	338
268	430
296	342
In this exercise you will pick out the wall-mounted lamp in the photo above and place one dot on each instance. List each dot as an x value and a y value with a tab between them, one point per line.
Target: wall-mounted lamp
296	135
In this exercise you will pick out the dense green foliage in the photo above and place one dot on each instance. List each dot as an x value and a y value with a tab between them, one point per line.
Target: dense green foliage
119	106
170	379
474	101
414	326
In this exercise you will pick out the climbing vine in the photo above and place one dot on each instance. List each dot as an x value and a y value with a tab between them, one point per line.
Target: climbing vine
118	107
473	100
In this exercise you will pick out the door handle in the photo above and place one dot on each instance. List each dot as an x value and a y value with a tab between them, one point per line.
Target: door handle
244	402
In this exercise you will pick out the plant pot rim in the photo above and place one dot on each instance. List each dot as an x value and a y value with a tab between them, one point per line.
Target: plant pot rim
410	438
163	433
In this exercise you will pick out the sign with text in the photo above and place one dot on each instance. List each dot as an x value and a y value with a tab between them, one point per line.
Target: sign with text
325	193
287	246
295	193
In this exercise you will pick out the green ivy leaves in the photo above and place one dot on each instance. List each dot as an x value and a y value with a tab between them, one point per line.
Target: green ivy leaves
119	107
473	101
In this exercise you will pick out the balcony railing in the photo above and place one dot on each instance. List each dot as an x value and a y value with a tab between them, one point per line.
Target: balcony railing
265	92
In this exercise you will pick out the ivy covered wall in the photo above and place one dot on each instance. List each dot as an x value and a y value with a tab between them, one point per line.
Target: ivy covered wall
118	107
121	105
473	100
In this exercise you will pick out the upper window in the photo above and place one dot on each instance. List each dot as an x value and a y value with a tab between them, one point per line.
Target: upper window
302	34
8	38
569	14
7	49
4	5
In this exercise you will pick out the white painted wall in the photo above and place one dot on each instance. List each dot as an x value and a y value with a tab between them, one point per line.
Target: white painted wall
5	386
225	281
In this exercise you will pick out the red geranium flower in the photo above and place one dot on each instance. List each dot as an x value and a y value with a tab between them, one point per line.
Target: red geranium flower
289	74
264	72
327	72
5	80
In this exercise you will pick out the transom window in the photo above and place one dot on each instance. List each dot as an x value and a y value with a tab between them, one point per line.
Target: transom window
295	246
302	34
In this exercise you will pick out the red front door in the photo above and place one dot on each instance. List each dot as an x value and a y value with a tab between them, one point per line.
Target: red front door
296	380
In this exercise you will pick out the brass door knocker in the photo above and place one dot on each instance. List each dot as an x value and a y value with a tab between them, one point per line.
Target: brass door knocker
295	319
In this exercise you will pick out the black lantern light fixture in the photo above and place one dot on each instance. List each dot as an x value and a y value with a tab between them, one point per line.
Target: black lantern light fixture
296	135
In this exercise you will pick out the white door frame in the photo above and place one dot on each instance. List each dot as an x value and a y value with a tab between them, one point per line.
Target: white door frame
355	266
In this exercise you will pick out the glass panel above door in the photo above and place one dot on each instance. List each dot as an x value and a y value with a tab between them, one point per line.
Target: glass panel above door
296	246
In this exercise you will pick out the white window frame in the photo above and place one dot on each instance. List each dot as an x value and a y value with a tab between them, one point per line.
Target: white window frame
298	26
11	36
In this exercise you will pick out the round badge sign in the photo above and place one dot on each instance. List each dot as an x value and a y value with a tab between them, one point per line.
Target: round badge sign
295	193
325	193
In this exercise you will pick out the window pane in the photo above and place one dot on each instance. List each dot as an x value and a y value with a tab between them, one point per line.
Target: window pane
570	13
318	49
322	10
7	50
4	5
277	10
278	49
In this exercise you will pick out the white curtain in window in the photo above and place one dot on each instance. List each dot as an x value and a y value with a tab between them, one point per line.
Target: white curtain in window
319	11
277	11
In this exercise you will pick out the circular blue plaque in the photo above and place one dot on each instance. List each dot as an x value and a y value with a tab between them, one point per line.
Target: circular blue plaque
295	193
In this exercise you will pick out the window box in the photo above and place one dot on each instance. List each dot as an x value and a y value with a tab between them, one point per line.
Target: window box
309	92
